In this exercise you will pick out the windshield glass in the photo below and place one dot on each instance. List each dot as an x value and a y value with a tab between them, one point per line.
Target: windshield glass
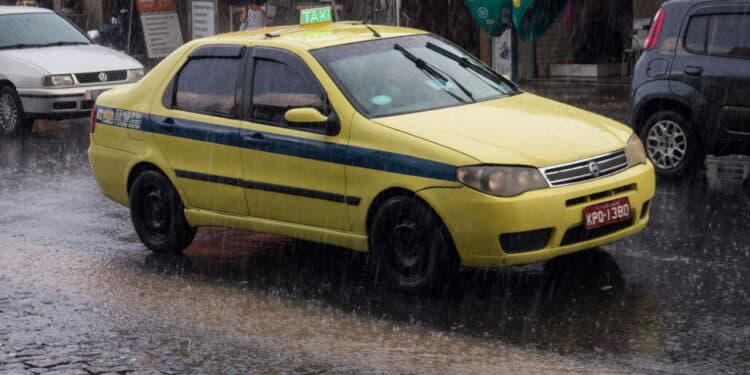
37	30
409	74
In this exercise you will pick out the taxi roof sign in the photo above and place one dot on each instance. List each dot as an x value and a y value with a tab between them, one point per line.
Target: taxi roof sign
315	15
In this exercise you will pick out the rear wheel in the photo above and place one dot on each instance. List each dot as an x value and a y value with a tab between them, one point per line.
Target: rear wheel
411	245
158	214
670	143
13	122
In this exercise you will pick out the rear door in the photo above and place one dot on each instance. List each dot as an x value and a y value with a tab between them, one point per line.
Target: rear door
715	61
196	127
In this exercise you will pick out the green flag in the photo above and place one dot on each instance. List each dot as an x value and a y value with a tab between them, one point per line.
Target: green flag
488	14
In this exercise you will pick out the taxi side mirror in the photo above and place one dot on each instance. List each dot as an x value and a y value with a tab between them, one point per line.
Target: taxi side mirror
309	116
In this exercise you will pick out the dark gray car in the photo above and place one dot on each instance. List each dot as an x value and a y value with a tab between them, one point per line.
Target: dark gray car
690	93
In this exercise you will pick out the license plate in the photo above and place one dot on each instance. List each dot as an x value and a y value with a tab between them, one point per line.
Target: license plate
93	94
609	212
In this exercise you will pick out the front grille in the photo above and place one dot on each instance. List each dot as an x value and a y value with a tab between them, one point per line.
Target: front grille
64	105
525	241
583	170
93	77
599	195
87	104
580	233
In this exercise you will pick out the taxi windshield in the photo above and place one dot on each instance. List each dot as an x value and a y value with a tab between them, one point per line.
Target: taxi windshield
409	74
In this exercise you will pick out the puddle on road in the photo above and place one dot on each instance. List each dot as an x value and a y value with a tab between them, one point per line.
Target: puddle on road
296	304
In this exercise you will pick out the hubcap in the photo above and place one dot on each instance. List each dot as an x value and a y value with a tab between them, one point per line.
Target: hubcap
666	144
156	212
8	112
408	250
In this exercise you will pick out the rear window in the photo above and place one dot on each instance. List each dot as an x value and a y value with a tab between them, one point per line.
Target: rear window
695	37
208	86
719	35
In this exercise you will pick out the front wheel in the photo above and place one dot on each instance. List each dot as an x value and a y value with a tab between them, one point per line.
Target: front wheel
411	245
670	143
158	214
13	121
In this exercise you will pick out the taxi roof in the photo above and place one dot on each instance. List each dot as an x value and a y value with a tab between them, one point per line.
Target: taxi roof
311	37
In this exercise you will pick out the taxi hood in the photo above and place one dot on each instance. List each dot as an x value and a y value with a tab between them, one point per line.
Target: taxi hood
523	129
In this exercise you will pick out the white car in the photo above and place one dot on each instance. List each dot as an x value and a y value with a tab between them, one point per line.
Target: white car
50	69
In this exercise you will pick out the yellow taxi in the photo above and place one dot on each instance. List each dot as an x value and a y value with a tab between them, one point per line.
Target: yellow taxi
380	139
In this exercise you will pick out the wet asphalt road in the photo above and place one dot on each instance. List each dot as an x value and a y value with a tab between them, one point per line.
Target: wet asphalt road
80	294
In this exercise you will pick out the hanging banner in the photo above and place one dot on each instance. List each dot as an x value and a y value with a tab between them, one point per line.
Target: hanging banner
488	14
533	17
203	19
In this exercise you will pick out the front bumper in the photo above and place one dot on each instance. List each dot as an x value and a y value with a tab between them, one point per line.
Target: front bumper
476	220
59	103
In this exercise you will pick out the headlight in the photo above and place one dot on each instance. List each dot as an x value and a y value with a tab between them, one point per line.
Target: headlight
500	180
135	74
634	151
58	80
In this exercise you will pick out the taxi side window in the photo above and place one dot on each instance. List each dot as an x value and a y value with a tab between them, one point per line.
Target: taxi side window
207	85
278	87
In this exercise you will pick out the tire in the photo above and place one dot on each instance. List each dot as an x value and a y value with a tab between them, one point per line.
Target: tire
158	214
13	121
411	246
671	144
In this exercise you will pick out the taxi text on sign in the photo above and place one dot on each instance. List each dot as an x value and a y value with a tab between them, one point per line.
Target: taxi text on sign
315	15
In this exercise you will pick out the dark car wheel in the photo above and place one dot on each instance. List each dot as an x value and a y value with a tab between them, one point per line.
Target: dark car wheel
158	214
12	119
670	143
411	246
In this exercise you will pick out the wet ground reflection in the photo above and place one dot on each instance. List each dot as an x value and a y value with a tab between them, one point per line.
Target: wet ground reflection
675	298
565	305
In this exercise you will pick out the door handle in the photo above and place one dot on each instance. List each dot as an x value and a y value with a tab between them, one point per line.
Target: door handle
168	124
253	138
693	70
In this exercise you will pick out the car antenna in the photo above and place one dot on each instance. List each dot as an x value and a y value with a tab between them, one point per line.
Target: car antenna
374	32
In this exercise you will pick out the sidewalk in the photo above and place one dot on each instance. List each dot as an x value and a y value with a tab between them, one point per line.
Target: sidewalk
605	98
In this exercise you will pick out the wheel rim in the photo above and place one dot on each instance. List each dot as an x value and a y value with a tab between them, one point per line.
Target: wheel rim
156	213
8	112
666	144
408	249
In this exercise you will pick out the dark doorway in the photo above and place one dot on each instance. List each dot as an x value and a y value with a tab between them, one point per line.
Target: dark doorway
601	30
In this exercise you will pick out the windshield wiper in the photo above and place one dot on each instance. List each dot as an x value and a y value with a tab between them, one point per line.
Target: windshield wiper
21	45
468	64
62	43
429	69
39	45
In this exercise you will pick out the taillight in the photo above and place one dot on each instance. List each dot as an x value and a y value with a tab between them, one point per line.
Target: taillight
655	31
93	119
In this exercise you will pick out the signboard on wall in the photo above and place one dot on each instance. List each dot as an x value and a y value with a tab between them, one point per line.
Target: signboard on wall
162	33
203	19
145	6
502	53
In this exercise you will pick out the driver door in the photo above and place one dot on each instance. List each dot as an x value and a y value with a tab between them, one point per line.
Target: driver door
290	171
